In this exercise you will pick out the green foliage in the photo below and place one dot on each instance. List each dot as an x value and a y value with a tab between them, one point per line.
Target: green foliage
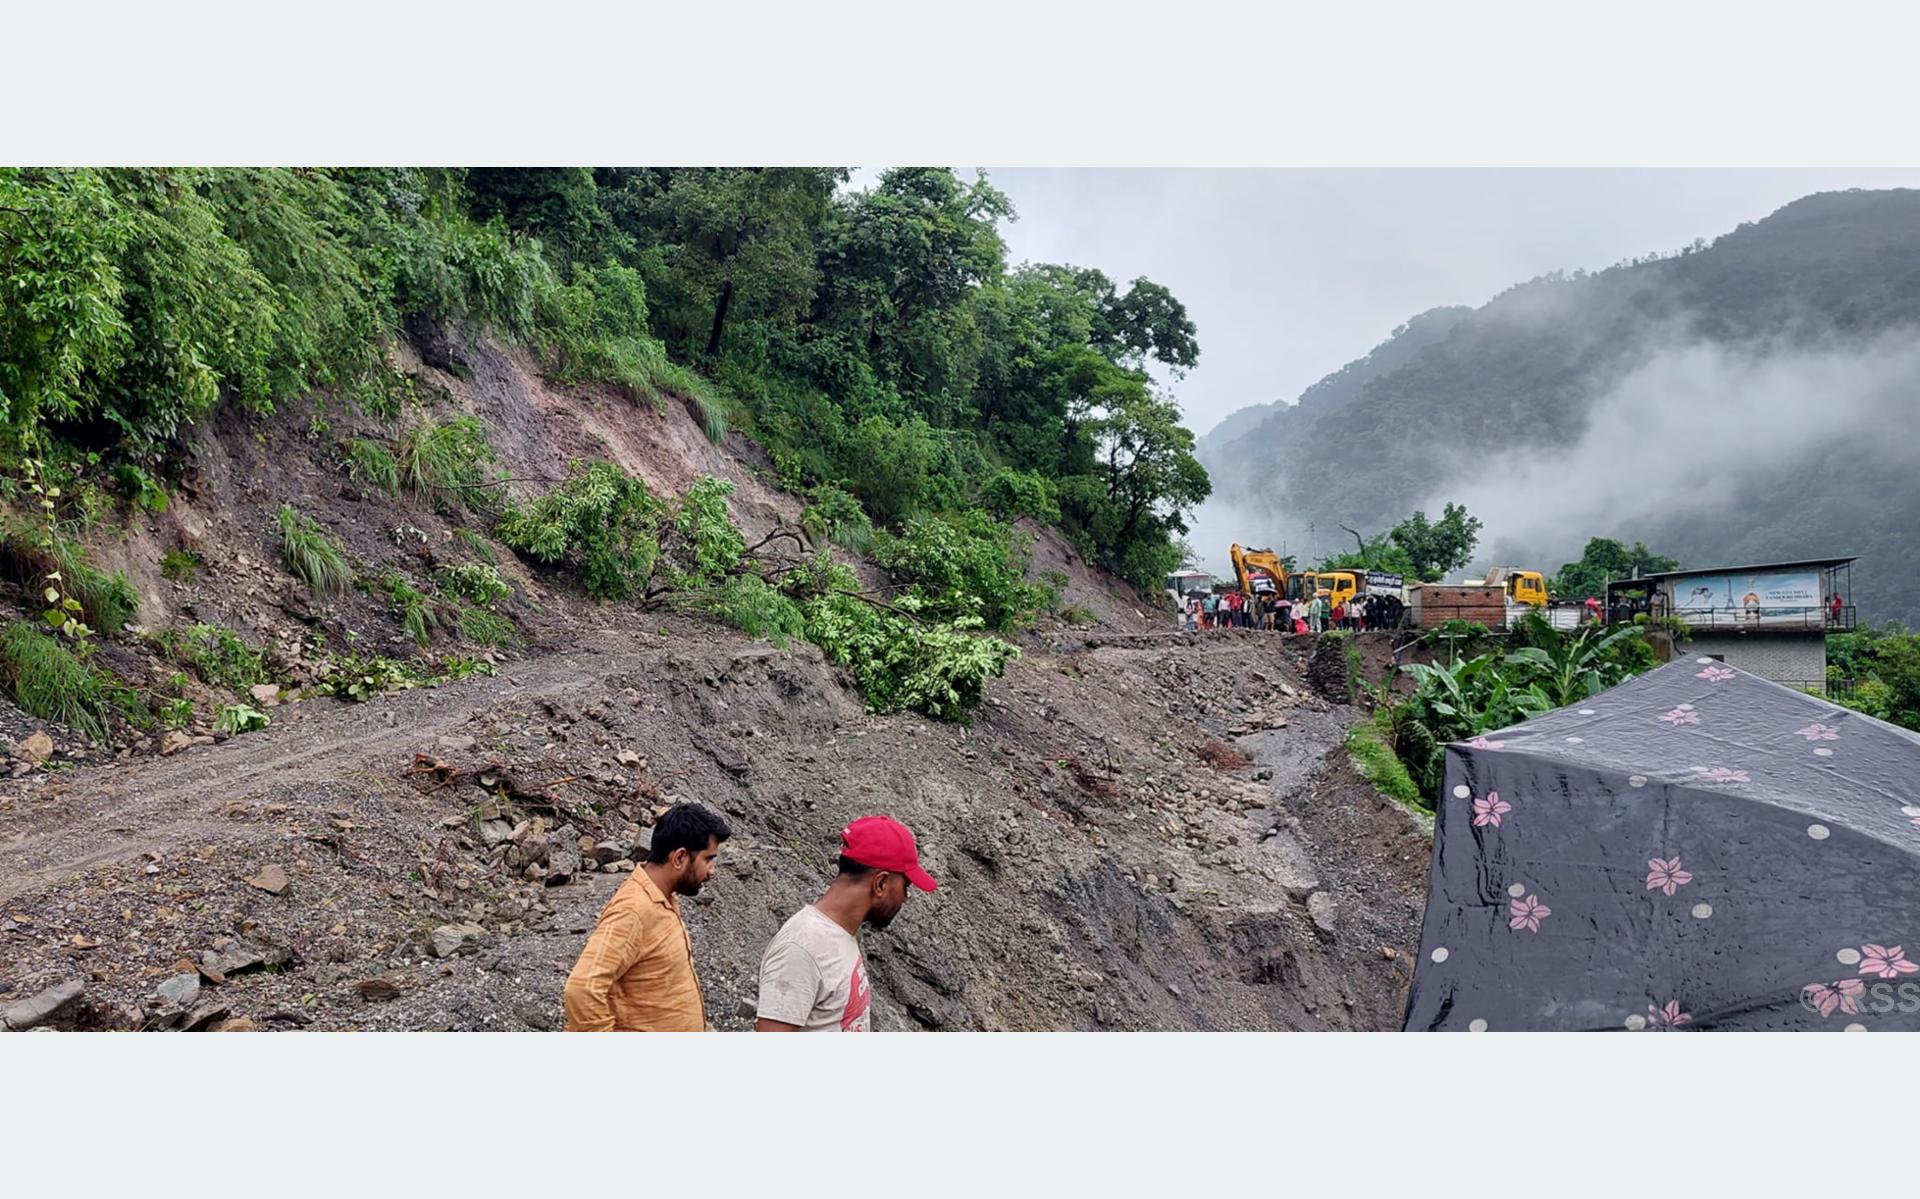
1078	615
899	664
419	613
1433	548
475	582
371	462
965	566
897	468
48	680
1882	667
835	514
312	553
1370	744
1603	560
55	570
443	461
478	545
709	544
240	718
218	655
182	566
601	523
486	628
142	490
747	603
456	666
1010	493
1568	669
357	677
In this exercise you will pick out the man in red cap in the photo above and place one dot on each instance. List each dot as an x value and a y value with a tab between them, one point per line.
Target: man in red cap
813	977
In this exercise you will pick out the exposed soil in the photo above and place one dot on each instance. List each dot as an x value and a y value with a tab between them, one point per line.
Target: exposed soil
1096	870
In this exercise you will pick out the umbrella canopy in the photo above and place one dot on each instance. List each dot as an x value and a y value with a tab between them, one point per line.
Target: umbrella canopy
1696	848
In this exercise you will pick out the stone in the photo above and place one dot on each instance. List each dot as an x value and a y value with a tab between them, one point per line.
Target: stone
35	747
182	990
495	832
457	744
378	990
267	694
30	1013
1322	908
173	742
273	880
627	757
451	939
563	855
607	852
241	1024
206	1014
234	961
1388	952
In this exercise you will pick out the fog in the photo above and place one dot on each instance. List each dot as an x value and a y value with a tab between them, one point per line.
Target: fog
1680	436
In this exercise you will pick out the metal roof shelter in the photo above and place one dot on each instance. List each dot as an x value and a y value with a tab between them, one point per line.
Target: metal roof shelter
1697	848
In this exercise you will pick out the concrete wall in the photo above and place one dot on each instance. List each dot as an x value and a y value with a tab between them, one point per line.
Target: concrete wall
1798	660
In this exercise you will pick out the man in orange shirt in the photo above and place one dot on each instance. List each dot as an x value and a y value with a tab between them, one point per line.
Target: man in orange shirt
636	973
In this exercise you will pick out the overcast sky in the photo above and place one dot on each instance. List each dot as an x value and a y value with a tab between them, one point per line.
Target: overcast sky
1289	274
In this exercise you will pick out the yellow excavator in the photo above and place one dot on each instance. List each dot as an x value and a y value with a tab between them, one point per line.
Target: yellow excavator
1260	571
1526	588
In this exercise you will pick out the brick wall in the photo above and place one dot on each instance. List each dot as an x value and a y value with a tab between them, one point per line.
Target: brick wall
1794	659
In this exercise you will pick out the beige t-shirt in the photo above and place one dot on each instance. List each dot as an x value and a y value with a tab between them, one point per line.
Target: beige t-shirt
814	976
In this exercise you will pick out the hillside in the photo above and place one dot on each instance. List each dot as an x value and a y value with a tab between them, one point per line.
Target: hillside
1732	402
1102	864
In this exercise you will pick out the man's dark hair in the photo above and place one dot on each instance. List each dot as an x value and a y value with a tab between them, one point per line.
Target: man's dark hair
686	826
852	869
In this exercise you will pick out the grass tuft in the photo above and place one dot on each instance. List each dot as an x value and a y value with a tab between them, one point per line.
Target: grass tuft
48	681
313	554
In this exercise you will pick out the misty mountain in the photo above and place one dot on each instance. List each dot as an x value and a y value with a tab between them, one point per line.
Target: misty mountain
1744	400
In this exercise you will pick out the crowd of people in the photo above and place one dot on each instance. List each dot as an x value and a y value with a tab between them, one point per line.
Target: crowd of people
1233	609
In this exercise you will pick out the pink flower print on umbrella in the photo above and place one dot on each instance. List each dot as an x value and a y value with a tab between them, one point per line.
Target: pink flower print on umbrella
1670	1016
1528	913
1887	963
1820	732
1722	774
1680	716
1842	995
1482	742
1715	674
1664	874
1490	809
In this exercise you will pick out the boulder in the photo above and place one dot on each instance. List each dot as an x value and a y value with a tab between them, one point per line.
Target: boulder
1322	908
273	880
265	694
451	939
35	747
182	990
563	855
30	1013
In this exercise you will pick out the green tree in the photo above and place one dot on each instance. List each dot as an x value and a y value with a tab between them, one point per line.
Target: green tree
1435	547
1603	560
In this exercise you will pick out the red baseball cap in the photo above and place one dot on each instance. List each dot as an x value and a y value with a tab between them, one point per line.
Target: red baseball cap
883	843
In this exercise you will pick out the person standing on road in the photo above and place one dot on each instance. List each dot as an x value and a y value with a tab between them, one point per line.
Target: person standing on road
636	973
813	976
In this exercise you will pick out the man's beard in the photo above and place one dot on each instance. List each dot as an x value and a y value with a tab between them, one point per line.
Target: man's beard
687	886
877	922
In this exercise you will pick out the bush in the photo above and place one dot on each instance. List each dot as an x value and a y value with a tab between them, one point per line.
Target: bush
419	614
475	582
1370	745
443	462
601	523
355	677
182	566
33	556
372	463
241	718
313	554
486	628
938	669
47	680
707	545
966	566
833	513
895	468
750	605
218	655
1010	493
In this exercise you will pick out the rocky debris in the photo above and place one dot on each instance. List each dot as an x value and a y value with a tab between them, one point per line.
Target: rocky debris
627	757
457	744
206	1014
272	879
33	1012
379	990
241	1024
180	991
1323	910
265	694
36	747
217	967
178	739
607	852
451	939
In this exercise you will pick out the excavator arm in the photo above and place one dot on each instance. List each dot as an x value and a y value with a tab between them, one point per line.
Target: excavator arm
1249	565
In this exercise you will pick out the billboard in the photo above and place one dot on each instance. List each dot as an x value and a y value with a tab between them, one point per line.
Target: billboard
1773	598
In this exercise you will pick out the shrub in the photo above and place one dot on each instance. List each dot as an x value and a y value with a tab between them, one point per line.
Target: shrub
486	628
355	677
47	680
1009	493
969	565
747	603
834	513
218	655
479	545
419	613
34	556
182	566
1370	745
241	718
313	554
601	523
899	665
476	582
142	490
707	545
372	463
443	462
